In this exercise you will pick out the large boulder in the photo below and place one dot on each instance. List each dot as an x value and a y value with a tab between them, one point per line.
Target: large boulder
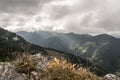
7	72
41	61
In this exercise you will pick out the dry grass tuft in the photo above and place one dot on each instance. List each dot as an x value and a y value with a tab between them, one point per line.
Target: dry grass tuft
62	70
24	63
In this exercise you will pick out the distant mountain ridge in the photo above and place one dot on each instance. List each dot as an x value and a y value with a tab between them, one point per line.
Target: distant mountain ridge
102	50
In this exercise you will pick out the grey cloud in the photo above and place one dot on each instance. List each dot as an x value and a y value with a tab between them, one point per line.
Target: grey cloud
109	21
12	10
104	17
59	12
86	20
56	12
5	19
17	5
21	6
82	16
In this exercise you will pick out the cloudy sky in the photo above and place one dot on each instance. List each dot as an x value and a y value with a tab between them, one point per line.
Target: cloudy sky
79	16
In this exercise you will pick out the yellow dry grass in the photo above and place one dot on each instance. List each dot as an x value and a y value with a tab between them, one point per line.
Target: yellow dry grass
62	70
24	63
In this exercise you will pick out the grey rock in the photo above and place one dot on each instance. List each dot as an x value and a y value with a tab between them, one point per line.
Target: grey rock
41	61
35	75
7	72
111	77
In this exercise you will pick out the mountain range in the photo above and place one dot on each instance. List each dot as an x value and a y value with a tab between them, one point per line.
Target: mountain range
102	50
12	46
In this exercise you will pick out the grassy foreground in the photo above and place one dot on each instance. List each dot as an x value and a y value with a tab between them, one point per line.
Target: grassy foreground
55	69
62	70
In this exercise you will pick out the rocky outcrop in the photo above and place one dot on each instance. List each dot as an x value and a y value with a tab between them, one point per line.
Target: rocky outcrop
111	77
41	61
7	72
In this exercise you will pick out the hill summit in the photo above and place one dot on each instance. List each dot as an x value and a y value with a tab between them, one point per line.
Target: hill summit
12	44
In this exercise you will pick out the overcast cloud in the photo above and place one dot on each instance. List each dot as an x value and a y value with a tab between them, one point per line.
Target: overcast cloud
79	16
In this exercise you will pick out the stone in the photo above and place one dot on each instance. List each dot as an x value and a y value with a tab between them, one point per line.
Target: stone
111	77
41	61
35	75
7	72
